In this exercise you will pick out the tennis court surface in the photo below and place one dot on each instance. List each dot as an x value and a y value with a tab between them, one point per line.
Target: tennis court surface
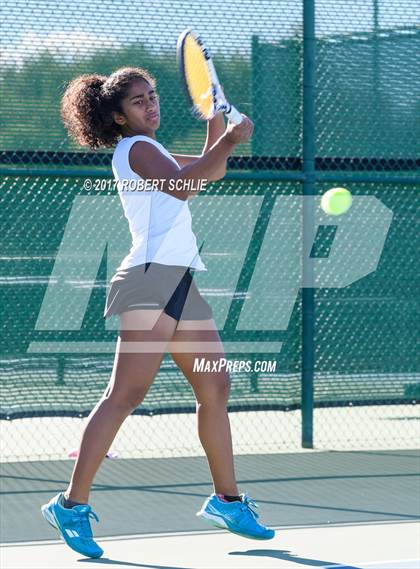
331	509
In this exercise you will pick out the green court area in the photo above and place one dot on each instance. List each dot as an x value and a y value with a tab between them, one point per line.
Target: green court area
330	508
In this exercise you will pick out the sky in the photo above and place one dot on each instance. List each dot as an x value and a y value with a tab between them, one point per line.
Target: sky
69	29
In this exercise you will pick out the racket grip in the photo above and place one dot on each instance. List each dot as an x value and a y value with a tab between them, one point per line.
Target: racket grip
234	115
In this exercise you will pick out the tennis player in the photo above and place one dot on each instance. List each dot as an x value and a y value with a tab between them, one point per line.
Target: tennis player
153	293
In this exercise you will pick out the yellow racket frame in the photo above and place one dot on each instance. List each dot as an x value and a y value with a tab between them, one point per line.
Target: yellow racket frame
198	78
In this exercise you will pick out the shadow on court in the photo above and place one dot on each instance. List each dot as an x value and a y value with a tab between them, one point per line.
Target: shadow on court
281	555
115	563
284	555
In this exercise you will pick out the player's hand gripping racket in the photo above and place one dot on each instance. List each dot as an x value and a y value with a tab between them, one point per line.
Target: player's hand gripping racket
200	79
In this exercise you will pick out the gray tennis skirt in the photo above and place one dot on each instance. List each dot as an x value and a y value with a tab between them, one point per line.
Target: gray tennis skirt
156	286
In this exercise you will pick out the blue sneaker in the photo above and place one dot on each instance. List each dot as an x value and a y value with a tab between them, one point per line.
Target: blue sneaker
237	517
73	525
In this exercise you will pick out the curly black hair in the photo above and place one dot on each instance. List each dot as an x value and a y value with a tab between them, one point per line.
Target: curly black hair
88	103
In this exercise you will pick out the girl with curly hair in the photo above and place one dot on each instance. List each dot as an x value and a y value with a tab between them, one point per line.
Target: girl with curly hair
153	293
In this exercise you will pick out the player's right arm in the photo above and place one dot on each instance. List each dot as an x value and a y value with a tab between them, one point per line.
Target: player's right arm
149	163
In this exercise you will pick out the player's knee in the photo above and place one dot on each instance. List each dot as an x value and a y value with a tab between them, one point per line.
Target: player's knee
127	400
214	390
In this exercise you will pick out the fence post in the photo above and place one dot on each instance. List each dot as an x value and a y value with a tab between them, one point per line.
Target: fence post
308	301
256	95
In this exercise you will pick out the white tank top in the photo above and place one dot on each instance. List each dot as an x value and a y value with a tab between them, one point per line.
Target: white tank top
160	224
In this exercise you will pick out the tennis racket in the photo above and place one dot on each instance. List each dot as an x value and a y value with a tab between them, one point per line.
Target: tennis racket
199	76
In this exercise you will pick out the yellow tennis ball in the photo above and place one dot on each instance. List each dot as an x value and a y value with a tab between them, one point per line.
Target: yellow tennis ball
336	201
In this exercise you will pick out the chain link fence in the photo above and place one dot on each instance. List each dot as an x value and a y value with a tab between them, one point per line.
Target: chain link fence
365	374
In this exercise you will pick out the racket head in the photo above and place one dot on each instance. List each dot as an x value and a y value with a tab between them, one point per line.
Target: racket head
193	57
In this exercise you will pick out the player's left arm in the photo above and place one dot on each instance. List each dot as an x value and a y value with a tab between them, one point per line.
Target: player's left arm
215	129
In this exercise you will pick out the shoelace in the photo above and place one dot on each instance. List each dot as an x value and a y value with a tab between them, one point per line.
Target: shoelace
81	519
247	505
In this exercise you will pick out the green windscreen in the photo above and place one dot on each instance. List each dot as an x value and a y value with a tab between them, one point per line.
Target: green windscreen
365	333
57	361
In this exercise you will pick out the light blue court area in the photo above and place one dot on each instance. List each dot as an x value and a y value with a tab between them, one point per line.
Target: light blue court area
372	546
341	510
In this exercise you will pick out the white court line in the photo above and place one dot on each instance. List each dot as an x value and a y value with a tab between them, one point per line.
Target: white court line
384	563
192	533
366	563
